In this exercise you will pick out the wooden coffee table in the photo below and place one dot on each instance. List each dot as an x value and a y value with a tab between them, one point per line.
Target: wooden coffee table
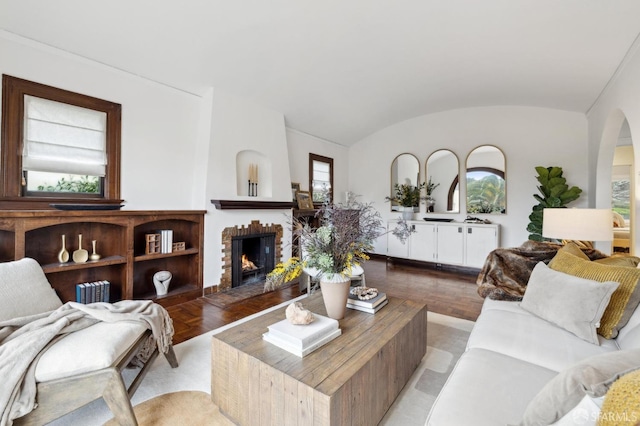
353	379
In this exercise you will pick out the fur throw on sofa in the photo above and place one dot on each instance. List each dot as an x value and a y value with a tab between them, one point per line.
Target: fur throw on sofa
506	271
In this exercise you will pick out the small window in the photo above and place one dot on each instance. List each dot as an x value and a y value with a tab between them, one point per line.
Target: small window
320	178
64	148
67	146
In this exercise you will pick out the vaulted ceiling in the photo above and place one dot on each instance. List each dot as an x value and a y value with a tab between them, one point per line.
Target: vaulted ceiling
343	69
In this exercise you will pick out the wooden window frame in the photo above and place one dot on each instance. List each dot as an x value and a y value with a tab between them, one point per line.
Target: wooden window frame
316	157
13	91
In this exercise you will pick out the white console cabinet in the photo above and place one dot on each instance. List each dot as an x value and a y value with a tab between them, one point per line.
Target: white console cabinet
452	243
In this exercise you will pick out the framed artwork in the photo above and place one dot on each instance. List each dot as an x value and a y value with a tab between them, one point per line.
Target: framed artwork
295	187
304	200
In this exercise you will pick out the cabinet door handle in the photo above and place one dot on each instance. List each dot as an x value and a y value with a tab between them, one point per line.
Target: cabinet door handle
459	229
469	230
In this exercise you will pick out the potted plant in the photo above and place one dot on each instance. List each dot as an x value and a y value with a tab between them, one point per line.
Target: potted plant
429	187
345	234
407	196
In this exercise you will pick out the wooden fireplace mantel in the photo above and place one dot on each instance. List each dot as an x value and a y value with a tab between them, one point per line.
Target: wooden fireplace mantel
251	205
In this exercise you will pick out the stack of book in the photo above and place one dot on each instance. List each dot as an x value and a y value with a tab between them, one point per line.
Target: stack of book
302	339
370	306
166	240
97	291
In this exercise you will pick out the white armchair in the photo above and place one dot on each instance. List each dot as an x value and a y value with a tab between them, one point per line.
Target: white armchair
73	369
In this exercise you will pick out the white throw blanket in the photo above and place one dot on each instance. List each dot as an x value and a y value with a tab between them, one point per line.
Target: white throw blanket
23	340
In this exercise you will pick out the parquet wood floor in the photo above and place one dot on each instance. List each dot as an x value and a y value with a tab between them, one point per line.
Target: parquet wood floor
447	293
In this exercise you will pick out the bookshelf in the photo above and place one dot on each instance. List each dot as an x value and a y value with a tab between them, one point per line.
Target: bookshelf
120	241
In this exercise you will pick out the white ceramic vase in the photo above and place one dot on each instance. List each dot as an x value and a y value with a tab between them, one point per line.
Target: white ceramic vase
407	213
161	281
335	292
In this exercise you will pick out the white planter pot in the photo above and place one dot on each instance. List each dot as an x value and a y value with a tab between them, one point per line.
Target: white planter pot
335	292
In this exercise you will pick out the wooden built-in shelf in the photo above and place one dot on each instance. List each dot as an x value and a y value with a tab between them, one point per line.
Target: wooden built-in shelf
154	256
70	266
120	238
252	205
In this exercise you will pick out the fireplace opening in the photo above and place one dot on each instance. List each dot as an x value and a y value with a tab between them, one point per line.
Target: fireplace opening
245	239
253	257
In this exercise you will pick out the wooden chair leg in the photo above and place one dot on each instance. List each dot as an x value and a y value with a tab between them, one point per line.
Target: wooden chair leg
171	357
117	398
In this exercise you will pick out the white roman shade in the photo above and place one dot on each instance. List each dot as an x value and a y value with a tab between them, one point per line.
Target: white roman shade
63	138
321	172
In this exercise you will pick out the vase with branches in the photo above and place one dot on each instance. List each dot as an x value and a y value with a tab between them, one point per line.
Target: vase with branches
342	241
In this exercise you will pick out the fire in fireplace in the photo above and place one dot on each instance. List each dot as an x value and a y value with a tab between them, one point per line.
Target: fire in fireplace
253	256
247	265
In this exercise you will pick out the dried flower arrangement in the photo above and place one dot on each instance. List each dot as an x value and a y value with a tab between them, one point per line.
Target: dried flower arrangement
346	234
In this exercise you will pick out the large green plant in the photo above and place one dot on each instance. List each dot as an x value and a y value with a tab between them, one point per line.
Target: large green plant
554	193
407	195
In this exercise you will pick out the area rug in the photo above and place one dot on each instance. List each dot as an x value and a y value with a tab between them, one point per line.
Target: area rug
228	297
446	340
191	408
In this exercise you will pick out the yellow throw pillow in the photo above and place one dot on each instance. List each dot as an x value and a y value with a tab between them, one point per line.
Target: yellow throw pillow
619	260
572	248
623	301
621	405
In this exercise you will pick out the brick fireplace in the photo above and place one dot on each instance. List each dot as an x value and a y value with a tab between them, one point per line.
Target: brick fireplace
260	244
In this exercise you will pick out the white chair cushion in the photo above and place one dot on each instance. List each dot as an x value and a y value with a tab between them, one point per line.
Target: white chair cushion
517	333
24	290
487	389
89	349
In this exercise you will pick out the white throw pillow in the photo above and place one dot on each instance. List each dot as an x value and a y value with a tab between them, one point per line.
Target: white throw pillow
573	303
590	377
24	290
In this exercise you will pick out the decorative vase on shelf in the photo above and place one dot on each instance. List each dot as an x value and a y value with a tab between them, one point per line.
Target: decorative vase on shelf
431	202
161	281
407	213
63	254
94	256
335	292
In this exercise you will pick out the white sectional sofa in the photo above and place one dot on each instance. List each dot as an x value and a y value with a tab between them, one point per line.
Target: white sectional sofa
514	357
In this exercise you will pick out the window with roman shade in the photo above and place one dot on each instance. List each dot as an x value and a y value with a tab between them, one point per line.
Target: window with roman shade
320	178
63	138
67	147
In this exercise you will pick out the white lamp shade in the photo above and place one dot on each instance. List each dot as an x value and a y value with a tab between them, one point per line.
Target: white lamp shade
578	224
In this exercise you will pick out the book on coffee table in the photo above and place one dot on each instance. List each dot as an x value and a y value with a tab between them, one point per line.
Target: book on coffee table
370	303
368	310
301	340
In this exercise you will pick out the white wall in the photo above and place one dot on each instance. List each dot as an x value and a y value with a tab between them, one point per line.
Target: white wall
301	145
618	101
239	125
159	124
178	149
528	136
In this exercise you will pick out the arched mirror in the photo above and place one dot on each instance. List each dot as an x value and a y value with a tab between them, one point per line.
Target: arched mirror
405	170
486	181
441	174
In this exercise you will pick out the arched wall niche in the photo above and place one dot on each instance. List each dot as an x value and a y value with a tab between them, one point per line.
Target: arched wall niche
248	160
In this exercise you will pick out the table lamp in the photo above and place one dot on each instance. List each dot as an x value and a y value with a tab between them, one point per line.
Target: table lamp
577	224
